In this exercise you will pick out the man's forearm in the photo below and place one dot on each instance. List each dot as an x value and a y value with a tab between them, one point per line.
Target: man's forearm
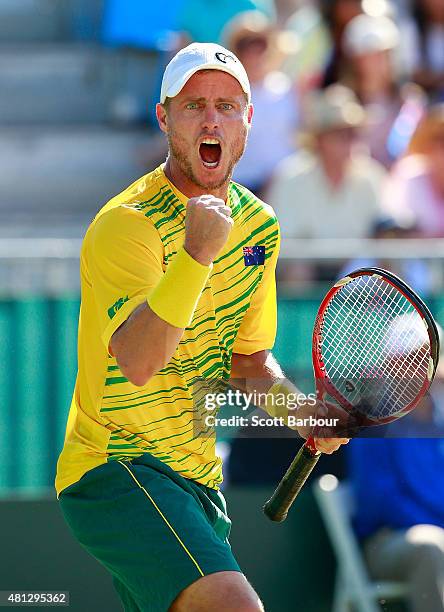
260	370
144	344
261	374
147	340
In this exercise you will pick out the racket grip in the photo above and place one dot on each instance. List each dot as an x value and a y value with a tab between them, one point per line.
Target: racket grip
277	507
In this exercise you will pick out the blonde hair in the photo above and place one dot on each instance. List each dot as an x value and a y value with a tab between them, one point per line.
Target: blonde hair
429	130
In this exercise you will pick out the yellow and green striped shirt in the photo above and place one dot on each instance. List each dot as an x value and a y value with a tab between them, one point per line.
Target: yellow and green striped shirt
124	254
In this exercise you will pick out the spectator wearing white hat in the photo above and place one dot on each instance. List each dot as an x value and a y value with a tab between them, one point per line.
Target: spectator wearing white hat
320	27
330	190
372	44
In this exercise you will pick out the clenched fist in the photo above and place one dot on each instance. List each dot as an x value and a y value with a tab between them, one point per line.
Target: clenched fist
208	224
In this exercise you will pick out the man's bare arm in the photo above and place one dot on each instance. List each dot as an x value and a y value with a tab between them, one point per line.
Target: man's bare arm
259	372
145	343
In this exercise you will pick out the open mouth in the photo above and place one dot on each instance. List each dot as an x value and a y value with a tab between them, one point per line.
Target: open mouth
210	152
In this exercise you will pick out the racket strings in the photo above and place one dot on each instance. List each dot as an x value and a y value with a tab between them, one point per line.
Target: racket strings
366	346
357	314
399	395
374	346
341	332
356	320
375	370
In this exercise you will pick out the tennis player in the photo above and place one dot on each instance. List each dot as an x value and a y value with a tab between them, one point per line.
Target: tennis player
177	280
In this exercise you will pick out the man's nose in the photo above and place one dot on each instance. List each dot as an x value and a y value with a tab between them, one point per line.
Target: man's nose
210	120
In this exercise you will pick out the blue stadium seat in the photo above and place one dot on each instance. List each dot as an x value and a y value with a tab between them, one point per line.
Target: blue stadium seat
141	24
30	21
136	27
51	175
50	84
54	84
82	19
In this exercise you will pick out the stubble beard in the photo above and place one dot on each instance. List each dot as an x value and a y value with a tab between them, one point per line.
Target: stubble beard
177	147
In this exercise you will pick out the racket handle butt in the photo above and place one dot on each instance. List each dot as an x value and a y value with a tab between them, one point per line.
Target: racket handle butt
277	507
274	515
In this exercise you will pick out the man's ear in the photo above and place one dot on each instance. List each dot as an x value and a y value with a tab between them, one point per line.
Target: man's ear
162	117
250	113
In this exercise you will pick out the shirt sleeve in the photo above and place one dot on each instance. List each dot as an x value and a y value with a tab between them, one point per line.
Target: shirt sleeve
124	264
257	331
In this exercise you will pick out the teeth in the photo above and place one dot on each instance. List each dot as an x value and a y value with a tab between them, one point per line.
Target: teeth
210	164
210	141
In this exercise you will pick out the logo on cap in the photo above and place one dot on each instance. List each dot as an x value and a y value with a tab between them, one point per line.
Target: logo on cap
223	57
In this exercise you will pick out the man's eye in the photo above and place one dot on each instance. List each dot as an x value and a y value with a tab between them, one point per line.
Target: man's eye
226	106
191	105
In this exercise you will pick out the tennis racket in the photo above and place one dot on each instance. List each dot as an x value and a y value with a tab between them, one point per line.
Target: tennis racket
375	352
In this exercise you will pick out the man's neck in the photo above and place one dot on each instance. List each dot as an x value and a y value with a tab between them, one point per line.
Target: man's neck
188	187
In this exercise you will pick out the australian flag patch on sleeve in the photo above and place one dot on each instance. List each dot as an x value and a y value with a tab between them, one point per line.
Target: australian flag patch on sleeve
254	255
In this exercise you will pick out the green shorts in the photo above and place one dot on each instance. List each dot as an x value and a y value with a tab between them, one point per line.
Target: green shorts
155	531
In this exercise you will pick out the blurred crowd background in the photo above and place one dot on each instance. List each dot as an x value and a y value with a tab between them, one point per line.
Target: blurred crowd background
347	141
347	145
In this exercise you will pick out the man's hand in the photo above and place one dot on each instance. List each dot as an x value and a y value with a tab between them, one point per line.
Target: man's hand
208	224
324	444
330	445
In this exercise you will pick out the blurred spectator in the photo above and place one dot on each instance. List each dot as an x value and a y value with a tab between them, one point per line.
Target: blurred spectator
415	191
429	46
319	29
286	8
257	44
398	487
204	20
370	44
330	191
337	14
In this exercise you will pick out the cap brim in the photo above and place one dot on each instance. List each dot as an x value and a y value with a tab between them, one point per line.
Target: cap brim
177	87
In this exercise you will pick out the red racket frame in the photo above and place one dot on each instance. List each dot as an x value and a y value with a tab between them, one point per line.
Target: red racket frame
324	385
277	507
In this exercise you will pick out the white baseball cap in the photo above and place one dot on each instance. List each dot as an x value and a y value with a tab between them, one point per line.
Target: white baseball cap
367	34
201	56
